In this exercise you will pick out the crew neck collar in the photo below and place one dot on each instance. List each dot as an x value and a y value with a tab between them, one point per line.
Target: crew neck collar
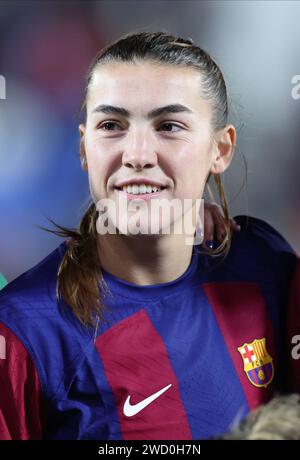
128	289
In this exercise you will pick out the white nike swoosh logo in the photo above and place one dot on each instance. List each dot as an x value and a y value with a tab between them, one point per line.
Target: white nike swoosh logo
133	409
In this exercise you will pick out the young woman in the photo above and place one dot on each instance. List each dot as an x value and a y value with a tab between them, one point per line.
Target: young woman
140	335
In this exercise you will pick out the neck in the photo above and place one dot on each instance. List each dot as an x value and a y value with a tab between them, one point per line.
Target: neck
144	260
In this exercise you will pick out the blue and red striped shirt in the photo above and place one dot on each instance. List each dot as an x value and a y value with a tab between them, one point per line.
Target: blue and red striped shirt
180	360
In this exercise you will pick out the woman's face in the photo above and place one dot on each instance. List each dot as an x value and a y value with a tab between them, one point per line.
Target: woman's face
127	137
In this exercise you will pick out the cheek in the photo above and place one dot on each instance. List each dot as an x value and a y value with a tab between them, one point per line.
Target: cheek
190	170
97	169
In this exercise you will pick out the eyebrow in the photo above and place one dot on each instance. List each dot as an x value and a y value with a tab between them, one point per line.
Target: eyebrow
171	108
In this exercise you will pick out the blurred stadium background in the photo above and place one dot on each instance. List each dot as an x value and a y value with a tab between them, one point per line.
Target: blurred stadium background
45	50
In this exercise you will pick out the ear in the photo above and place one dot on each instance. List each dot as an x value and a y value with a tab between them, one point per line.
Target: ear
223	149
81	129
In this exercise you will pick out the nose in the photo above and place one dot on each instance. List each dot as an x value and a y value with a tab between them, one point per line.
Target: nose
139	150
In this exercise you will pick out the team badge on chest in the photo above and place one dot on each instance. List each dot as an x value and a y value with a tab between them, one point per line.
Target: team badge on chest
258	364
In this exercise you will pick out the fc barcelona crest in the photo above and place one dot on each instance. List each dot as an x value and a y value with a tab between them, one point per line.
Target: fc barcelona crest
258	364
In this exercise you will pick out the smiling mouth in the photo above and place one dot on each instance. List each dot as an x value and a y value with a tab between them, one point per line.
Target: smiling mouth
140	195
147	192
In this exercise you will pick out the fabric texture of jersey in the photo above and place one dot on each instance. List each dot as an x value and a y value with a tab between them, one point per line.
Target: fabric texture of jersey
293	338
181	360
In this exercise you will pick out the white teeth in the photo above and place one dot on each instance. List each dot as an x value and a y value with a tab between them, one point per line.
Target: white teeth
136	189
142	188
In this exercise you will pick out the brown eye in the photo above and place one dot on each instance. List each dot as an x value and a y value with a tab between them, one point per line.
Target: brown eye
108	125
169	125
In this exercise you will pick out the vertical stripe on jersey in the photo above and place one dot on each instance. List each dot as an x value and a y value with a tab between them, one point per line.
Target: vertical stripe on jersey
137	364
20	391
235	305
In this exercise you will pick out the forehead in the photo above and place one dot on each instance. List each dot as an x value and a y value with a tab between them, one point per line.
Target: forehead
143	85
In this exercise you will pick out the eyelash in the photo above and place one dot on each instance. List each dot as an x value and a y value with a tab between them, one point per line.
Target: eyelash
114	123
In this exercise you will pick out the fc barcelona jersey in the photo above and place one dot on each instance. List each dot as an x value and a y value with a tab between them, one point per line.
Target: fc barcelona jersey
181	360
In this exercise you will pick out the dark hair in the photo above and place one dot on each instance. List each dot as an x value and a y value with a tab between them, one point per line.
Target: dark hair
165	49
80	282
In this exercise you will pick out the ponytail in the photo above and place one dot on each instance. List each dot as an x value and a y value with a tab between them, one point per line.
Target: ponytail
79	278
223	248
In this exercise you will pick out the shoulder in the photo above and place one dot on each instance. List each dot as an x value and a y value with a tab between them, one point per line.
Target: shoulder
295	291
32	317
262	233
258	252
36	285
28	305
